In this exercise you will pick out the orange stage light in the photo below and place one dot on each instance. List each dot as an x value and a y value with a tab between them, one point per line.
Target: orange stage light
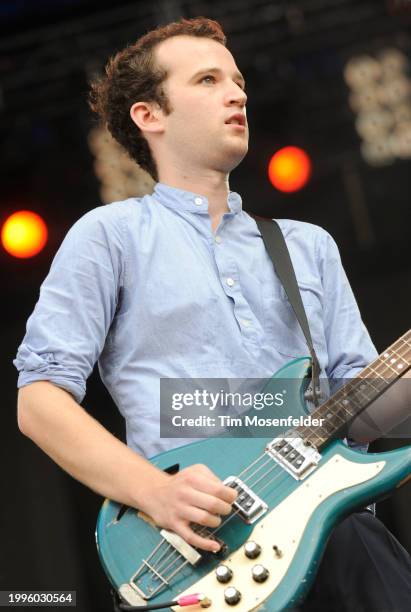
289	169
24	234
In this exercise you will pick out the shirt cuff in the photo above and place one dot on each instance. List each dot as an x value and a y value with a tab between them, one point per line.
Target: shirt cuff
33	367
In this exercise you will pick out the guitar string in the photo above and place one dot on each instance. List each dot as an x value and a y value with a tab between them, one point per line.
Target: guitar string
359	381
160	568
204	530
268	460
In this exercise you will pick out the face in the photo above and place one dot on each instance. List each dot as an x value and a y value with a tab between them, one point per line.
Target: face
207	126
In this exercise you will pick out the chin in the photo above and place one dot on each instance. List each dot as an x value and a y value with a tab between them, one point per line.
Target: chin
234	159
229	156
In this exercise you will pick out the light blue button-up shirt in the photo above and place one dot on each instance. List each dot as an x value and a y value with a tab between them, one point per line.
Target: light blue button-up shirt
146	287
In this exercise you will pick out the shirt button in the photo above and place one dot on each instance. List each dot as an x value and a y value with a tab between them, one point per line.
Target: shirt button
218	239
245	322
230	282
198	201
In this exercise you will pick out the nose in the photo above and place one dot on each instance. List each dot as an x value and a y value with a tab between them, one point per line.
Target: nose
236	96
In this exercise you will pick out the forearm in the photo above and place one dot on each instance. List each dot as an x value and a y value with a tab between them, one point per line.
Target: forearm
82	446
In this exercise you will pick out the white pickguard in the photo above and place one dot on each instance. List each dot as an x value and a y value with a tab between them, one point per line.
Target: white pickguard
284	527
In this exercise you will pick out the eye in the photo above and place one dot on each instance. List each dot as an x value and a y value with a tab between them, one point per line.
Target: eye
208	77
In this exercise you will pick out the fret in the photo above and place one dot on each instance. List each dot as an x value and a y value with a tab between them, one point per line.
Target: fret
358	398
313	434
373	369
368	387
316	436
330	424
402	346
347	402
346	407
381	365
397	349
361	394
323	433
319	440
375	372
356	394
328	407
392	369
397	358
386	365
400	366
310	434
376	388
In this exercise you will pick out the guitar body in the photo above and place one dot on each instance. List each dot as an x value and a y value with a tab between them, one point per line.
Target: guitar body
292	532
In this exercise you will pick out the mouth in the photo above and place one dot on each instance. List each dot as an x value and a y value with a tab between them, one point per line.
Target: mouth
237	121
236	126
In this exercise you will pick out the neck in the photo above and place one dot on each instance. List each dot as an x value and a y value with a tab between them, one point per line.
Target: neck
211	184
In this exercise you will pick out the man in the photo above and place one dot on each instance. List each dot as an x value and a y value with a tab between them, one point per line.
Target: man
176	284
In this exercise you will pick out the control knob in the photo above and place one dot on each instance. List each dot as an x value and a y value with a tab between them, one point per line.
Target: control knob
259	573
252	549
223	573
232	596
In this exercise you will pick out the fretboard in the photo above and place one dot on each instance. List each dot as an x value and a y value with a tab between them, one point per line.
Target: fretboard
351	399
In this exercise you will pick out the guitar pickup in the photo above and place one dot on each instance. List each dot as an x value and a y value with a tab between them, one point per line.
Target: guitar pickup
248	505
294	456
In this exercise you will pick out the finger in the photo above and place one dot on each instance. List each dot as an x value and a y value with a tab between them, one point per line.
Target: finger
204	501
196	540
199	480
200	517
228	494
218	489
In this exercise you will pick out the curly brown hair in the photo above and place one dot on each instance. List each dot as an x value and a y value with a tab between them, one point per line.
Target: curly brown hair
132	75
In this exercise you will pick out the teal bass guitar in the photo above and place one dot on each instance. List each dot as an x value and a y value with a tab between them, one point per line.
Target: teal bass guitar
292	490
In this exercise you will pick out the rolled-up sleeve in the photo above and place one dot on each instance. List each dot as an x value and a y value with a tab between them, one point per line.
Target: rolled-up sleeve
67	330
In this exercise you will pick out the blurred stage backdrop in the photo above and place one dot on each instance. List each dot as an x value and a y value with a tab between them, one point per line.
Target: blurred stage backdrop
329	76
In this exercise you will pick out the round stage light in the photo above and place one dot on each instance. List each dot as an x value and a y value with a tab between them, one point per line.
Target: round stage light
289	169
24	234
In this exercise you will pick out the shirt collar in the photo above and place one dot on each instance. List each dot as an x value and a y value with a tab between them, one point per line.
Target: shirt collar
191	202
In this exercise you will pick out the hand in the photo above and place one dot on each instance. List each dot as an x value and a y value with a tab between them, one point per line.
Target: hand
194	495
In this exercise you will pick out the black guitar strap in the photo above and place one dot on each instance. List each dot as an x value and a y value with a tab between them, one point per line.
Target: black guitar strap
276	247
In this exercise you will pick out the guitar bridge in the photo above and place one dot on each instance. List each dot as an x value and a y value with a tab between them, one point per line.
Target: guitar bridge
294	456
248	505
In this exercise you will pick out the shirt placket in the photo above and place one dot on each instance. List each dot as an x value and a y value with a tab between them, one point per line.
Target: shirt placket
229	277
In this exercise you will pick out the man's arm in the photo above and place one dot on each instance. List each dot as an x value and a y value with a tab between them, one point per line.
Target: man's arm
65	336
87	451
350	350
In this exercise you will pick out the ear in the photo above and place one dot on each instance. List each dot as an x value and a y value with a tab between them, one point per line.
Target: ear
148	117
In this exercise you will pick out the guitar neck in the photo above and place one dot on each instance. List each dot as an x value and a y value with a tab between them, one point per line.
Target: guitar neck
351	399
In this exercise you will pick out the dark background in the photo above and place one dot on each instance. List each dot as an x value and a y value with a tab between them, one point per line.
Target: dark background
292	55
